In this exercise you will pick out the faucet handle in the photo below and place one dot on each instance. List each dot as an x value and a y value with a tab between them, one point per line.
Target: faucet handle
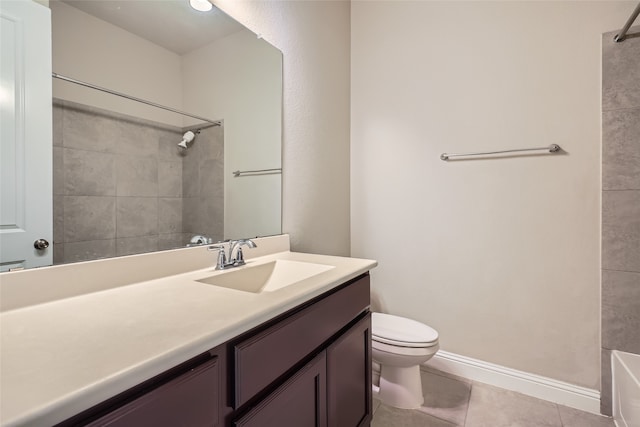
239	257
222	258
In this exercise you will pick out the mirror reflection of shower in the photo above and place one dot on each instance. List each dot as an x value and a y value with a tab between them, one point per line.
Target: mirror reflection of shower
187	139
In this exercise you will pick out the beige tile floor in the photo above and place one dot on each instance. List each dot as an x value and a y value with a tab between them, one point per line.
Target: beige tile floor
457	402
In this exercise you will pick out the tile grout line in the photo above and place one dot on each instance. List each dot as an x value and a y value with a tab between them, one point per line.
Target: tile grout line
612	110
559	416
621	271
466	413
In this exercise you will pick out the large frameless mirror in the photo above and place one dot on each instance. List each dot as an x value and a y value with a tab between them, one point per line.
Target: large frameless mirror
130	177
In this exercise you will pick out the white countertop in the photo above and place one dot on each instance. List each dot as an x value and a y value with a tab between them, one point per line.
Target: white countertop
61	357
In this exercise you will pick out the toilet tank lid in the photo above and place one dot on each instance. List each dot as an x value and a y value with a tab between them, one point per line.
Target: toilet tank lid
401	329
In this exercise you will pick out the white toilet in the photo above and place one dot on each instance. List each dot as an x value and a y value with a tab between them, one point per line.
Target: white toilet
400	346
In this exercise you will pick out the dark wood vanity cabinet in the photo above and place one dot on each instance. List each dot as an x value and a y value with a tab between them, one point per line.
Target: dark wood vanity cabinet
310	366
333	389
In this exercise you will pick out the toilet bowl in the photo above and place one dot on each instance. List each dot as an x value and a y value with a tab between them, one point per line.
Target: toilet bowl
400	346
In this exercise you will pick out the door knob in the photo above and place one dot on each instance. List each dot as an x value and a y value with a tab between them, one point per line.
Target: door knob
41	244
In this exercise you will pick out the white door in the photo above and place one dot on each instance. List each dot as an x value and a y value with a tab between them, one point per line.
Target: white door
25	134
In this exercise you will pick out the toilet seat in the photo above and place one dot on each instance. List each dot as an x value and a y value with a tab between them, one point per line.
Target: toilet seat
403	350
402	332
403	344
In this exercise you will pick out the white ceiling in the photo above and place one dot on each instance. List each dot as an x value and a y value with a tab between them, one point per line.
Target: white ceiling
172	24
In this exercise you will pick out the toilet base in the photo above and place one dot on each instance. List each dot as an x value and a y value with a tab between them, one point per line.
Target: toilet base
401	387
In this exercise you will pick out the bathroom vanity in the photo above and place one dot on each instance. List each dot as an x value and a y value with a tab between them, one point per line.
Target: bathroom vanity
307	367
182	350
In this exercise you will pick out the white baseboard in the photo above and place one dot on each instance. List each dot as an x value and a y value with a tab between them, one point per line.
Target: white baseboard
533	385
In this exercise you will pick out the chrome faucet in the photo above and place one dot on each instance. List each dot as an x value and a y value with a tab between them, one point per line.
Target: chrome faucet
234	246
199	240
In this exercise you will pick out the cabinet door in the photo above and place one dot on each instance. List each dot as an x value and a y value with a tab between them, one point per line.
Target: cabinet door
299	402
267	355
349	377
190	400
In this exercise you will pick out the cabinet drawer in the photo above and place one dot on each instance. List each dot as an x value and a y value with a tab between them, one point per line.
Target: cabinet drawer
264	357
190	400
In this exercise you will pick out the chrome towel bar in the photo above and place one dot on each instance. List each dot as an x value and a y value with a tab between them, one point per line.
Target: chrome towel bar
553	148
257	172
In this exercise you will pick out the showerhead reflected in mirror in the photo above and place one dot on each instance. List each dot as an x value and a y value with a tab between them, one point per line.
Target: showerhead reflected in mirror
131	178
187	139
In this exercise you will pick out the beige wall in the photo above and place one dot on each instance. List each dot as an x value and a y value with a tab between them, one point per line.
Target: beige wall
238	79
501	256
94	51
314	39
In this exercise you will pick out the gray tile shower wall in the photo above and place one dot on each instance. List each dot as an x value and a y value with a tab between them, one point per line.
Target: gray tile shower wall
606	395
621	310
203	185
620	202
620	88
621	228
119	184
620	130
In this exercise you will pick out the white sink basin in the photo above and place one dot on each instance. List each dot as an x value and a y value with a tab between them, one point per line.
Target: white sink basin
267	277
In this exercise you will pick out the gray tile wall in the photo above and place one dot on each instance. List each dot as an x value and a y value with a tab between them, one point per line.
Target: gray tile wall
203	185
620	202
118	184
